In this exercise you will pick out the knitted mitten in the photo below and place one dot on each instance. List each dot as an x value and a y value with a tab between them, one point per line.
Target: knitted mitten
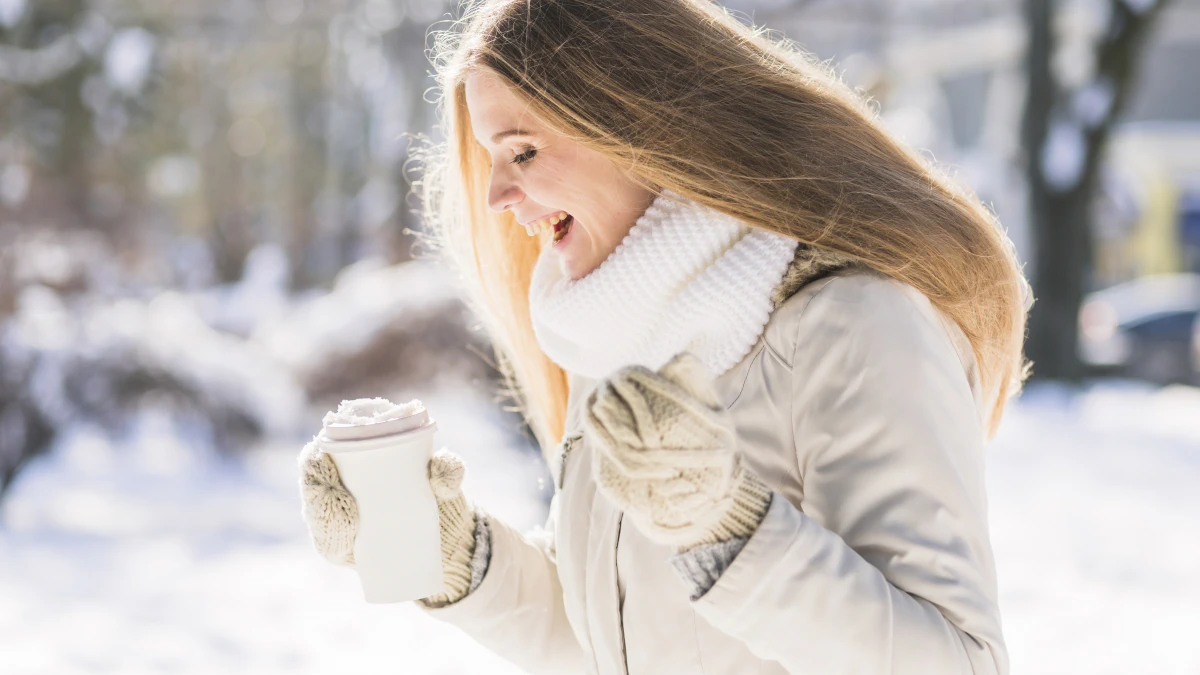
457	519
331	515
328	509
667	455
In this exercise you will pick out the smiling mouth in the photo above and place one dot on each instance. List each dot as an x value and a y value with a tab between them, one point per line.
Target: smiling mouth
561	228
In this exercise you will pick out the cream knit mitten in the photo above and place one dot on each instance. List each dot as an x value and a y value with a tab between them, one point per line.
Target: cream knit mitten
329	510
331	515
457	521
667	455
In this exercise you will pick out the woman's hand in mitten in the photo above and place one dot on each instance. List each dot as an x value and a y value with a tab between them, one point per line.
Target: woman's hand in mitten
329	509
332	516
667	456
457	520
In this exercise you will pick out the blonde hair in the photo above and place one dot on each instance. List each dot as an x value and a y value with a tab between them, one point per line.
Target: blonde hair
685	97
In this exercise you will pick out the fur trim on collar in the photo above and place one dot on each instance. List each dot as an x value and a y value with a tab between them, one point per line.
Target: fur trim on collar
811	263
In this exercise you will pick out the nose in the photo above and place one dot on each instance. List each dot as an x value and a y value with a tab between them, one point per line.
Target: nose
503	193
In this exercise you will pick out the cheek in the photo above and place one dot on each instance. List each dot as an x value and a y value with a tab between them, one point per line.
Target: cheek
549	180
581	172
610	231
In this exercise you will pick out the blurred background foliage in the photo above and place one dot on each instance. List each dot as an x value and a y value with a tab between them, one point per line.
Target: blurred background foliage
226	163
209	170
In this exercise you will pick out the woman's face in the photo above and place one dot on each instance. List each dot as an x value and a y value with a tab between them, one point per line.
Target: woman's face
539	175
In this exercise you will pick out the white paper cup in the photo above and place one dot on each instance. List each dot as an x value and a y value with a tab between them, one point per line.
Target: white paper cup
398	548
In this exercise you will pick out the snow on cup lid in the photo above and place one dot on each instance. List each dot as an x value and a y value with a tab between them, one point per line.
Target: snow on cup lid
362	418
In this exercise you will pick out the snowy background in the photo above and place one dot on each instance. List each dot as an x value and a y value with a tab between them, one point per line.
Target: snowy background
153	557
146	552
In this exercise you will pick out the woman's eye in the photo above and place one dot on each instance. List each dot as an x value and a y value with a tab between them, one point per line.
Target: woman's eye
525	156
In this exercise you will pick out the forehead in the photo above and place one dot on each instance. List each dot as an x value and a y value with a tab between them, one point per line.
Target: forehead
494	106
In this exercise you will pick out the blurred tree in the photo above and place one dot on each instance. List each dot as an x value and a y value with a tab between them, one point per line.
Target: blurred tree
230	124
220	157
1075	94
45	121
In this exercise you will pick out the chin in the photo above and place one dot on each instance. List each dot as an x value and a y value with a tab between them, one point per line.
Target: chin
577	259
572	270
569	271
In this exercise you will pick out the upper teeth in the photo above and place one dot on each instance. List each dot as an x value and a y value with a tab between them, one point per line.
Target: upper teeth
547	222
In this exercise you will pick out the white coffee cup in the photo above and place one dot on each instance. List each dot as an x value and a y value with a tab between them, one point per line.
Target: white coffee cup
384	465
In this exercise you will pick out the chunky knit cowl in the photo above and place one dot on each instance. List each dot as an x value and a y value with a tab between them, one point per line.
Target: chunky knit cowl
684	278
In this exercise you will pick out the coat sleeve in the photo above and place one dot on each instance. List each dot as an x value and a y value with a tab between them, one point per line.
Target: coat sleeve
886	566
517	610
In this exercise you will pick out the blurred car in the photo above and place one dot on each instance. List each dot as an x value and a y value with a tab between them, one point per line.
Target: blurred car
1148	328
1196	344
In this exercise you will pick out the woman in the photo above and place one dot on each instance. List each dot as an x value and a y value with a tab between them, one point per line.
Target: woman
761	342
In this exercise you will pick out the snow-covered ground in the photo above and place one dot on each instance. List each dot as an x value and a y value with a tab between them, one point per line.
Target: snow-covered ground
1095	513
153	557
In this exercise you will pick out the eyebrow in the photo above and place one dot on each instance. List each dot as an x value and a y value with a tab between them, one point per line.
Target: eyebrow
501	135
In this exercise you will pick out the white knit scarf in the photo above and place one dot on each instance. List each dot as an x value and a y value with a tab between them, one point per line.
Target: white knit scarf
685	277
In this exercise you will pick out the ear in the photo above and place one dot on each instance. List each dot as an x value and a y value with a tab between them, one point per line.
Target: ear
689	373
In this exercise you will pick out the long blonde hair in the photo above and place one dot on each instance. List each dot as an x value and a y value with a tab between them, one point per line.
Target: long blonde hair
686	97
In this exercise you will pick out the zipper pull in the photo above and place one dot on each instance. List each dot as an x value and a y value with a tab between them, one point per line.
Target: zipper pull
567	445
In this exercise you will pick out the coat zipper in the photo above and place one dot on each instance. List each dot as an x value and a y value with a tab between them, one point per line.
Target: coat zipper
617	590
568	444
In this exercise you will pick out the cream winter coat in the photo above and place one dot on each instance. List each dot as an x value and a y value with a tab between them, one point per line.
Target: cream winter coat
860	406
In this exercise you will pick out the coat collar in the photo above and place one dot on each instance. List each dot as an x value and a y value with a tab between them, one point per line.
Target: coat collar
809	264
